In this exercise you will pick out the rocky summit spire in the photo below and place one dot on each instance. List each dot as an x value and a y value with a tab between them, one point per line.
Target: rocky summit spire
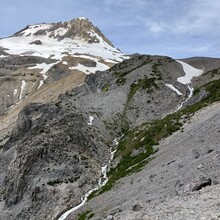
76	28
82	27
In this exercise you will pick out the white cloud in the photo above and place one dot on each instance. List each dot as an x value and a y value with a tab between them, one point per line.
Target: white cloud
155	27
194	17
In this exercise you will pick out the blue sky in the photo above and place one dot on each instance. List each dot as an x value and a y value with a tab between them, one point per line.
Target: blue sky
167	27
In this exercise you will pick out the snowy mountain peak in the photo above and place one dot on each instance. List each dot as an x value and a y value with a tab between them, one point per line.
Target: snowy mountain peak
56	40
77	28
43	53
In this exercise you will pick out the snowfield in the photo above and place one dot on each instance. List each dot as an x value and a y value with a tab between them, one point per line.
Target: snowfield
50	46
190	73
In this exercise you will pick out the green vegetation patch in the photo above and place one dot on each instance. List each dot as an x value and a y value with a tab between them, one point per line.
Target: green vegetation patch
105	88
147	83
145	137
214	72
85	215
57	181
54	182
128	66
120	81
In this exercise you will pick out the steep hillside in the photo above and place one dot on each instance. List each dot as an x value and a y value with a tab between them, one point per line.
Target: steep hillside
56	151
164	188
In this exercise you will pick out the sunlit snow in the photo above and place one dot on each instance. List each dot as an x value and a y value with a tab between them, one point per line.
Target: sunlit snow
45	67
58	48
190	73
174	89
2	56
15	92
23	84
40	84
88	70
91	118
53	47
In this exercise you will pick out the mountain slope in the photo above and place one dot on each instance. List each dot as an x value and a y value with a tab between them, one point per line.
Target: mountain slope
42	61
59	151
163	189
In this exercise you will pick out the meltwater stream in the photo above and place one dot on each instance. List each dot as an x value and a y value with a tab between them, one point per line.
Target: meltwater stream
182	103
101	182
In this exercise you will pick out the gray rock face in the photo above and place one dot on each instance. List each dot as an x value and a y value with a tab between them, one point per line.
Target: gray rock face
36	42
79	27
56	150
164	189
14	69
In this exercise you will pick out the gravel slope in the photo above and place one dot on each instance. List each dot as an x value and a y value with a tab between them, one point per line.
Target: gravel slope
163	189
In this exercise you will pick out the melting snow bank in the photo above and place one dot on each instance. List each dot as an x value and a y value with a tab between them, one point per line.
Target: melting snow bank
91	118
15	92
23	84
44	66
101	182
174	89
182	103
88	70
190	73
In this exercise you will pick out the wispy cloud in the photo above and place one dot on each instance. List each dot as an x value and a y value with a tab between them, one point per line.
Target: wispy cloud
194	17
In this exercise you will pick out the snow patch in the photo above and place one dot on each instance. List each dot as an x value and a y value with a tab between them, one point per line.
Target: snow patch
190	73
15	92
91	118
174	89
82	18
65	63
58	48
182	103
110	61
88	70
40	84
60	32
45	67
23	84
